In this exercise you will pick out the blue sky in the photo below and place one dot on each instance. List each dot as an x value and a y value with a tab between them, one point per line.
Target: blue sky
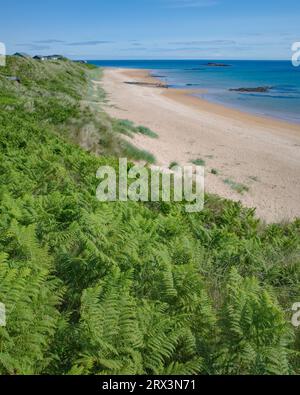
152	29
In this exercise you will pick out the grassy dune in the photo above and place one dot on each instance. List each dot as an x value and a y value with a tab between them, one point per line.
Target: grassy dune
114	288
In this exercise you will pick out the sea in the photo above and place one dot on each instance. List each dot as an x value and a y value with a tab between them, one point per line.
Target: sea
215	79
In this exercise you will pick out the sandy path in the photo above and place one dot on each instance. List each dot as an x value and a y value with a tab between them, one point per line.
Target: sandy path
260	153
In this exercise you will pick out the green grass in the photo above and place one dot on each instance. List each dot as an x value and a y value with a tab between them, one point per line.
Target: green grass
237	187
198	162
173	164
64	95
125	127
6	101
128	128
91	66
130	151
146	132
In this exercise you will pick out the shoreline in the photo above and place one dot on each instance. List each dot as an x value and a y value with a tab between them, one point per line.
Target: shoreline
242	112
187	96
260	153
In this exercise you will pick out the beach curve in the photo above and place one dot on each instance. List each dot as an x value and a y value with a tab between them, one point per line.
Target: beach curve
257	156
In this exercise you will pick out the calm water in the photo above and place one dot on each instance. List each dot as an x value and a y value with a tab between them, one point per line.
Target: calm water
282	101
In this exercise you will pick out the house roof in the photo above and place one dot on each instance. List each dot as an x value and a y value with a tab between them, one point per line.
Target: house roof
49	57
54	56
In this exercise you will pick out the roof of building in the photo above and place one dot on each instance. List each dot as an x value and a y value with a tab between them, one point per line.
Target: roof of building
54	56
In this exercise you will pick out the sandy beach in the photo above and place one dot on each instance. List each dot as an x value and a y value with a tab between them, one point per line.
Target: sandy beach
260	154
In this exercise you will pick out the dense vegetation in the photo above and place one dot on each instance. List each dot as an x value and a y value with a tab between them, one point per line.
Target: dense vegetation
112	288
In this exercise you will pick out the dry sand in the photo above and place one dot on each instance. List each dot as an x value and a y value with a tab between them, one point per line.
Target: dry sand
260	153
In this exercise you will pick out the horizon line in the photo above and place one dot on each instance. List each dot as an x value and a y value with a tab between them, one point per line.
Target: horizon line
73	57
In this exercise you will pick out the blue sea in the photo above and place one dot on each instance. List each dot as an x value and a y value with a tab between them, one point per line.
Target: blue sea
281	101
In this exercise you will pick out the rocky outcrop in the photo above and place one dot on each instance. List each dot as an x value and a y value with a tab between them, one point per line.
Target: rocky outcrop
259	89
149	84
218	65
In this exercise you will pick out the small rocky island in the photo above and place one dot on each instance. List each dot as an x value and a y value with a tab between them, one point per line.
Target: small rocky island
217	65
259	89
